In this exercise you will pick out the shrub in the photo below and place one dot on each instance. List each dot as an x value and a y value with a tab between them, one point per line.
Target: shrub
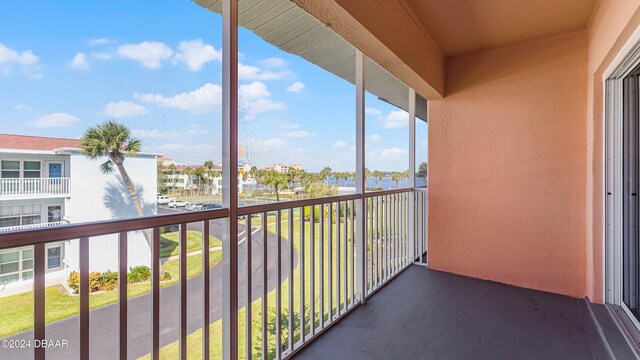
166	276
108	280
139	274
316	214
74	281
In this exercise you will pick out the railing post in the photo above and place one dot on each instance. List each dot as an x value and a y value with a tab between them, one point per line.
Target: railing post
412	177
230	178
361	260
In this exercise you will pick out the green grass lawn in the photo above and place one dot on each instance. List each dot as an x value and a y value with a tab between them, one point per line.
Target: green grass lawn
17	310
169	242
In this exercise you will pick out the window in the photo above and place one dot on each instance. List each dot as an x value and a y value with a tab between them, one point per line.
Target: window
17	215
10	169
54	213
31	169
16	265
54	257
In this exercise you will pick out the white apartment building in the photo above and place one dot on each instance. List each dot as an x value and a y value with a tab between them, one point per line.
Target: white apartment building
49	182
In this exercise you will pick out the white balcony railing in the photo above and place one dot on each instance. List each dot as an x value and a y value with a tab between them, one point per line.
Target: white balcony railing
32	226
40	187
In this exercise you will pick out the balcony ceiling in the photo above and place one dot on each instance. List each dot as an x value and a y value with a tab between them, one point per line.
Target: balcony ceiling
288	27
465	26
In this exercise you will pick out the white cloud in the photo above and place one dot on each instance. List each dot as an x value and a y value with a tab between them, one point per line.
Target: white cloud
300	134
395	119
149	53
372	111
22	107
272	62
102	55
295	87
393	153
101	41
255	98
123	109
151	134
203	100
249	72
375	138
268	144
80	61
339	144
27	60
195	53
55	120
287	125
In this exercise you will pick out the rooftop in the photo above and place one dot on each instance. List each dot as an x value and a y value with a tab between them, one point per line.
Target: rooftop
24	142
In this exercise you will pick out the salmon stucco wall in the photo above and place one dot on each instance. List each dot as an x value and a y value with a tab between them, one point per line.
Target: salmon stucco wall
610	28
507	166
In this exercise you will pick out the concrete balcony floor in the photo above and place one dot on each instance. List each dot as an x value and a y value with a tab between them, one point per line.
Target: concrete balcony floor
426	314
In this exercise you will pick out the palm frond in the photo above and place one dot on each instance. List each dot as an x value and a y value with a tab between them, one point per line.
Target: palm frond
106	167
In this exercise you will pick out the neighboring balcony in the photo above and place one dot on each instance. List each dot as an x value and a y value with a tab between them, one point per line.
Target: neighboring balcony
13	188
32	226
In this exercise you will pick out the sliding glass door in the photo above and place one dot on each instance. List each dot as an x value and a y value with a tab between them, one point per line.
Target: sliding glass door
630	177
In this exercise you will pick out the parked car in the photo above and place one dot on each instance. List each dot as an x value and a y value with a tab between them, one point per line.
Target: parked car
211	206
171	228
194	207
163	200
177	203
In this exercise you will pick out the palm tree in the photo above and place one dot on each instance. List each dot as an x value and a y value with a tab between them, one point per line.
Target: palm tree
189	182
199	174
324	174
378	175
113	140
398	176
422	171
209	165
272	178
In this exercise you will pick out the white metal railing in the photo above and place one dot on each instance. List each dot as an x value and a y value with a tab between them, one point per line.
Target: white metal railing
302	266
24	187
32	226
420	240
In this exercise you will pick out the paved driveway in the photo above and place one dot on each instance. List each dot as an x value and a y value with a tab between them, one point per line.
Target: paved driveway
104	321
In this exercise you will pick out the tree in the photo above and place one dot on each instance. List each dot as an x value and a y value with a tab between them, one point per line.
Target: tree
199	176
189	181
113	140
209	165
422	171
324	174
398	176
162	180
378	175
276	180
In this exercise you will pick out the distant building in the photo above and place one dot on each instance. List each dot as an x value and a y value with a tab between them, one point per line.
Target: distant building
50	182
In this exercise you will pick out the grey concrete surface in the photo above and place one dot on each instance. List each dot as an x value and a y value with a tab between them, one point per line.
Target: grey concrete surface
426	314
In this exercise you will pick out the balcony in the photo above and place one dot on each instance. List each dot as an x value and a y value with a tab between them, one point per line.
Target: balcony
368	297
32	226
33	188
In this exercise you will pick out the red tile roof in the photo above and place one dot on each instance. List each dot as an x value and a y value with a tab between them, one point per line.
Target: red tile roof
23	142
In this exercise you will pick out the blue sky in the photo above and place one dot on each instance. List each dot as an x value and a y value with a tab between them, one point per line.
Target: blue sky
155	66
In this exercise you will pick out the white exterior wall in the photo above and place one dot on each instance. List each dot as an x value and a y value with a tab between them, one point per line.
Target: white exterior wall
96	196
